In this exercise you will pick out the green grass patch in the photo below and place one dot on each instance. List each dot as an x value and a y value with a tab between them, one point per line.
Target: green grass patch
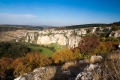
43	50
57	46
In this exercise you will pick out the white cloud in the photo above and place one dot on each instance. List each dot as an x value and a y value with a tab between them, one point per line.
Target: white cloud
6	15
6	18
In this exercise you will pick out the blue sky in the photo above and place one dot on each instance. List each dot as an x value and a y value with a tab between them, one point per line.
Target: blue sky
59	12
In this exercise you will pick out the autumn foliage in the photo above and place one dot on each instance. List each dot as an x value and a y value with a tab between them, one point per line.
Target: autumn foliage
30	62
88	44
65	55
5	63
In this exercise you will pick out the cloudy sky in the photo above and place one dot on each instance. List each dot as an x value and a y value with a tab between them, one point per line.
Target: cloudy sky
59	12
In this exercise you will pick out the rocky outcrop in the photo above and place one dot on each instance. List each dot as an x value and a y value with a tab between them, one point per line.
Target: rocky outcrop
115	34
67	37
89	72
55	38
62	37
44	73
72	70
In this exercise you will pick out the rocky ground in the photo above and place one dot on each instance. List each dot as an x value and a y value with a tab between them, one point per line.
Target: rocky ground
72	70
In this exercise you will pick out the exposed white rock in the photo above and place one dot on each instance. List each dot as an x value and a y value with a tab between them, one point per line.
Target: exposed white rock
44	73
115	34
38	69
68	71
17	78
88	73
95	59
69	37
43	40
73	41
92	67
94	29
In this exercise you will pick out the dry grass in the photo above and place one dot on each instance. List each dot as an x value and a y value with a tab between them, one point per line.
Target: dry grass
110	67
10	35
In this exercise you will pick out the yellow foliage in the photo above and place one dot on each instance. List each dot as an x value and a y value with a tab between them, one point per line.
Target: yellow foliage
77	54
100	49
29	62
65	55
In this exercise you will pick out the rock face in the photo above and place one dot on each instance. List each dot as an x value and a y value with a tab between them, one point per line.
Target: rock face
72	70
45	37
55	38
62	37
115	34
89	72
96	59
44	73
69	37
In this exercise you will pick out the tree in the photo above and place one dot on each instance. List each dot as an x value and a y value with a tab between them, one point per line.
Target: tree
88	44
29	62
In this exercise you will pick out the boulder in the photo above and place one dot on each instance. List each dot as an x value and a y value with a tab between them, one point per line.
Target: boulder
96	59
89	72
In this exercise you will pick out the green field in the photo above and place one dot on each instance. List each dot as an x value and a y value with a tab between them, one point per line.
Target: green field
43	50
57	46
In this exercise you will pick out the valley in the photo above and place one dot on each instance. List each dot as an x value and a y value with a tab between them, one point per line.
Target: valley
53	49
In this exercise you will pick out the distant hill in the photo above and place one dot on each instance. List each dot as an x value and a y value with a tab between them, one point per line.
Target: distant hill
7	27
86	25
90	25
116	23
19	27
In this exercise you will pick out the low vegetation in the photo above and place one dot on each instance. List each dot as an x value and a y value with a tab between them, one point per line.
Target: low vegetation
47	51
13	50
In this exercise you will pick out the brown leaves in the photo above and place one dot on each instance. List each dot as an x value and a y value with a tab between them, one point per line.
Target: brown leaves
30	62
5	63
88	44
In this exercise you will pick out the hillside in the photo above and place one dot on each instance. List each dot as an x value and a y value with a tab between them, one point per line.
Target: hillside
18	27
90	25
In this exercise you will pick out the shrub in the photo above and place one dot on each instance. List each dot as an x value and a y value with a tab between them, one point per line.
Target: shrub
88	44
29	62
5	63
105	47
66	55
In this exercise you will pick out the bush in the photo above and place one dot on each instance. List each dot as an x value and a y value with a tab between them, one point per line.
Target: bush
105	47
66	55
29	62
5	63
88	44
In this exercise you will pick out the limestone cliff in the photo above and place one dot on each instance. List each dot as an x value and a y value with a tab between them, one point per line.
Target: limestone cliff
69	37
62	37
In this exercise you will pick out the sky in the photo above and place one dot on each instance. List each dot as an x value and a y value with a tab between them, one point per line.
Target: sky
59	12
